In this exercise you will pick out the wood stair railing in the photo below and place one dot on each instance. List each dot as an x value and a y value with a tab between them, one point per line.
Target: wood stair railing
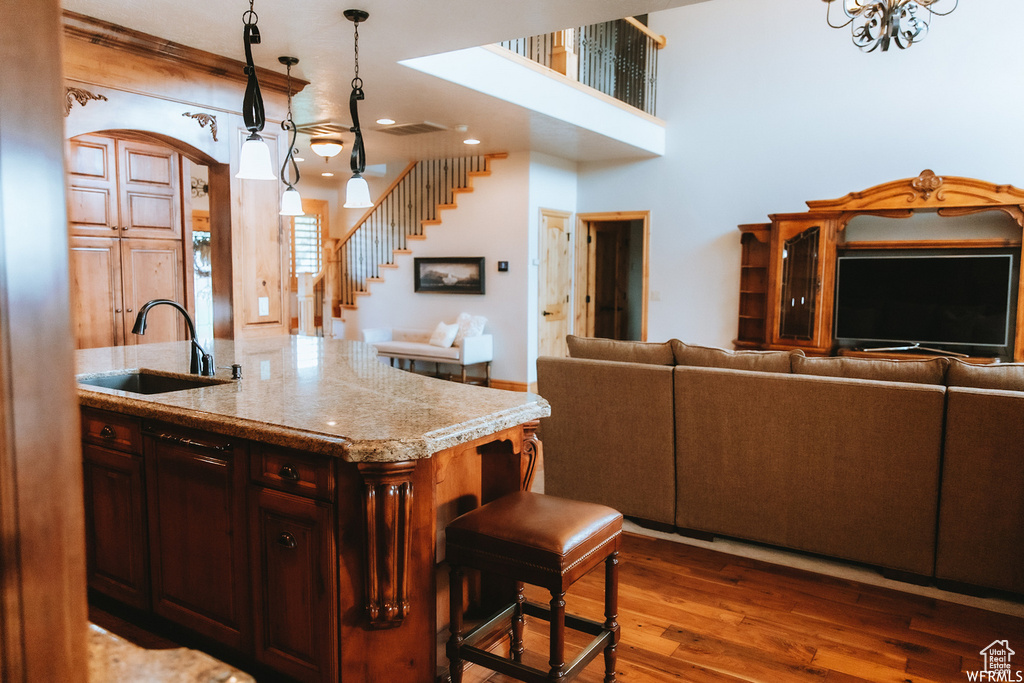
414	200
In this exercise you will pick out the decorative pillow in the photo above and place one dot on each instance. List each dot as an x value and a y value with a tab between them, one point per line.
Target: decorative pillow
650	353
444	335
710	357
1005	376
469	326
931	371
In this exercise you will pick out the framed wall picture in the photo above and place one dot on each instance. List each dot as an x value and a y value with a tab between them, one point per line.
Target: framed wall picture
449	275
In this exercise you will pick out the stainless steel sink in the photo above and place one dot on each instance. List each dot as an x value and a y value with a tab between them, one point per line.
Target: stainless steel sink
142	382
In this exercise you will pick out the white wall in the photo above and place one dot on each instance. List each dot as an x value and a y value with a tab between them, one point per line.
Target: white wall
492	221
768	107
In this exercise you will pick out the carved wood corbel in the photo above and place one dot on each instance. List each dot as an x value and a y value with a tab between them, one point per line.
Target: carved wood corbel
203	120
80	95
387	506
532	451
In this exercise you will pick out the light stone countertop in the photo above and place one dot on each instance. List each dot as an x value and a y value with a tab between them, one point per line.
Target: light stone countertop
322	395
113	659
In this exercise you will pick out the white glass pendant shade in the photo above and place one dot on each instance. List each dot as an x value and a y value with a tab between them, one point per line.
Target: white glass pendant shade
291	203
254	160
357	193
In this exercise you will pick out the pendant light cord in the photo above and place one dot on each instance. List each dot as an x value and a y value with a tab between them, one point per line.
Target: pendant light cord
289	125
252	103
358	160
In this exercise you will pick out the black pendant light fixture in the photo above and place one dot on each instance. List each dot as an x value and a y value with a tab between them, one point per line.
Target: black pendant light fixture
357	192
291	201
254	157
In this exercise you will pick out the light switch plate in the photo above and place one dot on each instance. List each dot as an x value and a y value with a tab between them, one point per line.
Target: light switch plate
264	305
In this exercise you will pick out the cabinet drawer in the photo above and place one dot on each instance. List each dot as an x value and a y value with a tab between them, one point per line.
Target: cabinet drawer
112	430
301	473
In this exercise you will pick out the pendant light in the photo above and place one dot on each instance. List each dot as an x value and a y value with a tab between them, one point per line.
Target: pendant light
357	192
254	157
291	202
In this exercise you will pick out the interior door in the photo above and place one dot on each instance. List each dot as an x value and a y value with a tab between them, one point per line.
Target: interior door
611	279
555	283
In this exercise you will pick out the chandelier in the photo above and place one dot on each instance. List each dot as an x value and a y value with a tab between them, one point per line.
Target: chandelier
877	23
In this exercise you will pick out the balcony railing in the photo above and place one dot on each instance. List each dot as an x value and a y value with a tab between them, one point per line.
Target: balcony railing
619	58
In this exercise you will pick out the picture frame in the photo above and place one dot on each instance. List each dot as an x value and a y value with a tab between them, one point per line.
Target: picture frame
449	274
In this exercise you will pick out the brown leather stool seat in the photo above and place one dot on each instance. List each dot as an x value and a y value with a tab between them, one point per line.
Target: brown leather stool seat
544	541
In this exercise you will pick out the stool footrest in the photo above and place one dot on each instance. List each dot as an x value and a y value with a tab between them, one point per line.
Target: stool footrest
529	674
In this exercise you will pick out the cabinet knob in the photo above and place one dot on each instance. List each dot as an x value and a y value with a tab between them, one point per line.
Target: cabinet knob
113	227
128	310
124	227
117	310
288	473
108	432
286	540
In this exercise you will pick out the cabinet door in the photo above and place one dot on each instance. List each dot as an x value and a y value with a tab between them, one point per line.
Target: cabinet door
115	529
96	303
198	552
294	585
152	269
148	191
803	274
92	187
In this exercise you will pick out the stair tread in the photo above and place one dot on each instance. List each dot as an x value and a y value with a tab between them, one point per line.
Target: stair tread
417	237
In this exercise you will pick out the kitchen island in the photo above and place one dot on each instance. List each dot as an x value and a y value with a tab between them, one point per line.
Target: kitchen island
295	515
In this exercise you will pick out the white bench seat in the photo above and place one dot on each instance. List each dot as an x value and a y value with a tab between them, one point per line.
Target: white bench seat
413	345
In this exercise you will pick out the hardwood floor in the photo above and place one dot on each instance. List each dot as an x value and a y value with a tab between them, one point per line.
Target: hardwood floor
693	614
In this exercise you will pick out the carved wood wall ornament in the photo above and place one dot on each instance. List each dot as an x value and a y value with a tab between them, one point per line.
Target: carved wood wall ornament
532	450
203	120
72	94
387	505
926	184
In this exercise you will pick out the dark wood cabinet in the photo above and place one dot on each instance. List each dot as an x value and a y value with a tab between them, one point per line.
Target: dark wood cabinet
196	485
294	584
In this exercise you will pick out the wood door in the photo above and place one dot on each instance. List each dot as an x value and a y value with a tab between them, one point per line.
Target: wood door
92	186
152	269
96	303
115	526
611	279
294	585
149	198
555	283
198	552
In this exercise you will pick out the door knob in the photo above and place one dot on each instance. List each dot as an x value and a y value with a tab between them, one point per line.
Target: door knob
546	313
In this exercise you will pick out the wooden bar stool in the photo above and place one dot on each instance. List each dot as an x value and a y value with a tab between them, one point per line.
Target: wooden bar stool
544	541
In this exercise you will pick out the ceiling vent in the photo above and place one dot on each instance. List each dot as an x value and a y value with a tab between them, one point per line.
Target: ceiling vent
321	128
411	128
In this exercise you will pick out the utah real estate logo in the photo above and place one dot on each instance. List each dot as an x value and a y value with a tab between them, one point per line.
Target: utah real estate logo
997	665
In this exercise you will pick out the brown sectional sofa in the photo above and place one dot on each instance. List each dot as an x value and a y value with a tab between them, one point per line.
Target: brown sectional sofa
824	455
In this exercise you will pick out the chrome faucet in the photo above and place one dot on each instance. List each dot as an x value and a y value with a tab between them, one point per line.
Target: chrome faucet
200	363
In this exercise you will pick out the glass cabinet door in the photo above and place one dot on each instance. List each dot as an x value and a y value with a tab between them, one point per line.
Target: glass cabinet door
800	285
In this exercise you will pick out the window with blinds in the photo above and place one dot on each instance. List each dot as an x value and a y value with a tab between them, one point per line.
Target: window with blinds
307	245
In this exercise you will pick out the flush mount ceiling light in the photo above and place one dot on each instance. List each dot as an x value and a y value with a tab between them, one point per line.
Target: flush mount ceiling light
385	122
471	141
291	202
357	192
254	157
877	23
326	146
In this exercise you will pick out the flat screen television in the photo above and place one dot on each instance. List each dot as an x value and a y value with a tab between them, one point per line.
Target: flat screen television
962	303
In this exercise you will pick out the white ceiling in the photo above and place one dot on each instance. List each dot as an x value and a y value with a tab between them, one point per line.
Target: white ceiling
317	33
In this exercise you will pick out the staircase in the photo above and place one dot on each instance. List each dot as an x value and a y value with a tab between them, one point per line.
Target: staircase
414	201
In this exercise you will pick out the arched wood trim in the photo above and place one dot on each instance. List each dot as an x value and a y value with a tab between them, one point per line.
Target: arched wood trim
926	191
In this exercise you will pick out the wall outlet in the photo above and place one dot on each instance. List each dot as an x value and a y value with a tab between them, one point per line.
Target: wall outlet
655	295
264	302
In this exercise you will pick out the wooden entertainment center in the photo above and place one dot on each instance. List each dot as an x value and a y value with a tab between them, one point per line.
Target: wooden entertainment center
793	258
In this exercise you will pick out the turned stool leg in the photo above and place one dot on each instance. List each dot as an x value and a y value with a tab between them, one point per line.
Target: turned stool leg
557	660
611	613
455	608
517	624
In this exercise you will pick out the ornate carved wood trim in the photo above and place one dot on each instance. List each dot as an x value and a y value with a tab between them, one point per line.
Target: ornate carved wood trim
203	120
107	34
925	191
80	95
532	451
387	506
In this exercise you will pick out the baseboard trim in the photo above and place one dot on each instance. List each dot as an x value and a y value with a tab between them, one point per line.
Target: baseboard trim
509	385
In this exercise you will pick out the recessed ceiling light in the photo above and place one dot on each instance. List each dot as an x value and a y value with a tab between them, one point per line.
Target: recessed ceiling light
385	122
471	141
327	174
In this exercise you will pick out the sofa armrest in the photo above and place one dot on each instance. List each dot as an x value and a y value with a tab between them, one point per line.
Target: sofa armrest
478	349
376	334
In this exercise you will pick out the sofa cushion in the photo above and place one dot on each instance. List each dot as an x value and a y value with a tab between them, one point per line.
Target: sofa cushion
710	357
932	371
651	353
469	326
416	350
1005	376
444	335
